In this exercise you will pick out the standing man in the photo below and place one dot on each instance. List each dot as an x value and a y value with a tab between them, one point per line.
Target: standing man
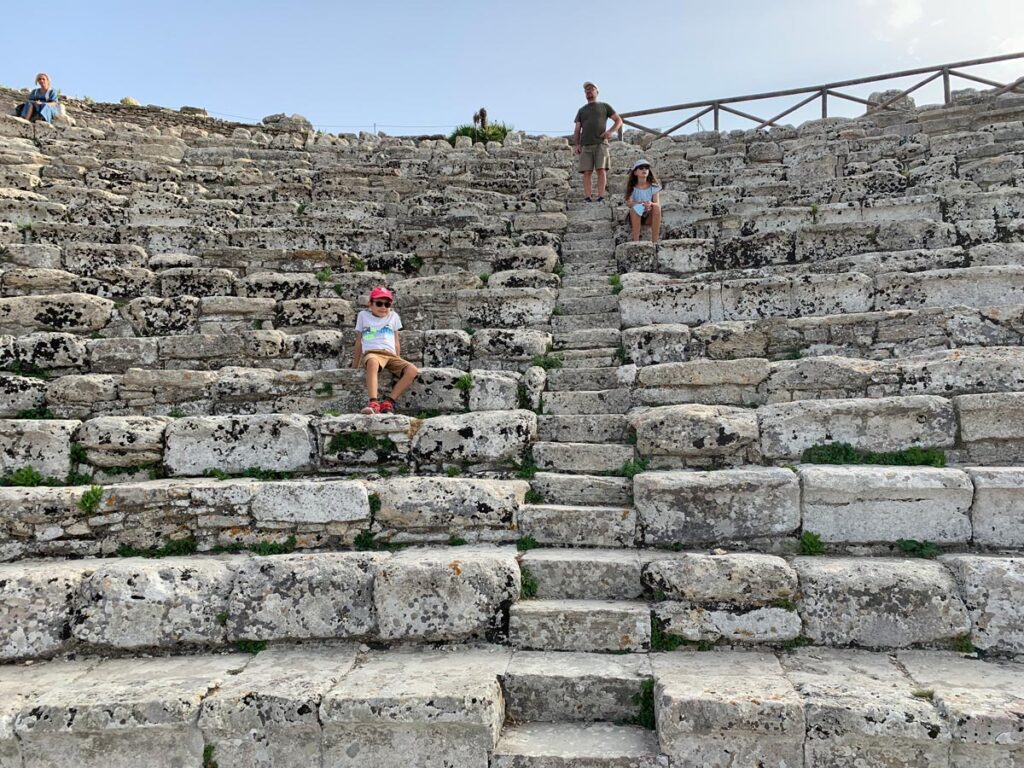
590	140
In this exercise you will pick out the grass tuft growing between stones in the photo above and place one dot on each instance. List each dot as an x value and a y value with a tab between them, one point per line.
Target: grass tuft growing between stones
35	413
662	640
644	702
811	544
374	503
526	543
534	497
844	453
528	585
527	470
963	644
428	413
78	454
251	646
548	362
915	548
361	442
785	604
222	618
797	642
267	548
456	541
631	468
923	693
464	383
615	281
28	477
89	501
208	750
173	548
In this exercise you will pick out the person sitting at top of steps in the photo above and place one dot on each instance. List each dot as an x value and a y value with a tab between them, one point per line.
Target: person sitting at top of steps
590	140
43	102
378	346
643	199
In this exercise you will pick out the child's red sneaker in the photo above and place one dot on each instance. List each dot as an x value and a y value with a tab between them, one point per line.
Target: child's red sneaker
372	407
387	405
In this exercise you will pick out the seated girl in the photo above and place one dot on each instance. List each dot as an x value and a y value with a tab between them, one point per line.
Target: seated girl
42	103
643	200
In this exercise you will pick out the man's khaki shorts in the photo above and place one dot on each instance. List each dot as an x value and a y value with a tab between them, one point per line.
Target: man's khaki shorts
594	156
393	363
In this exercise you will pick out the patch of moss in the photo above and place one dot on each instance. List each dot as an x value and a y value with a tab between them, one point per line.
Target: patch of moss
174	548
915	548
251	646
844	453
526	543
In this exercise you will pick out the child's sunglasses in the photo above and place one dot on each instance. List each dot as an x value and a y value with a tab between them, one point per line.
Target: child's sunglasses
380	303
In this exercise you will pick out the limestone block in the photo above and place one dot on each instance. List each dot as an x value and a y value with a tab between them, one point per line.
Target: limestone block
90	259
444	595
879	602
696	432
577	574
992	426
539	257
506	307
120	354
315	313
973	286
860	707
418	709
680	303
151	316
488	437
993	590
20	393
524	278
82	395
327	595
544	222
278	442
448	505
277	286
709	382
691	507
744	580
36	600
884	504
981	704
197	281
827	376
305	502
436	389
732	708
35	256
653	344
43	445
997	513
446	349
266	714
878	424
45	350
580	625
699	623
137	603
517	344
68	312
565	687
123	441
124	712
359	439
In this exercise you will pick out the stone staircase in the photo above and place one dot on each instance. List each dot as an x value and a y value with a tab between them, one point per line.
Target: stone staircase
600	533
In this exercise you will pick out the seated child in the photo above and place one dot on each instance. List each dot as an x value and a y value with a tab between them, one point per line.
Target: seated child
43	102
377	346
644	202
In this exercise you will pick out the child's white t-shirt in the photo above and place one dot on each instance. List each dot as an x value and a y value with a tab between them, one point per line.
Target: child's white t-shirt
378	333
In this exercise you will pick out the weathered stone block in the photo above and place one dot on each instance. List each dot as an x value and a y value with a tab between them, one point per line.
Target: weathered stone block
68	312
744	580
123	441
883	504
328	595
489	437
43	445
652	344
444	595
992	426
996	514
697	432
731	504
709	382
36	600
879	602
993	590
305	502
282	443
506	307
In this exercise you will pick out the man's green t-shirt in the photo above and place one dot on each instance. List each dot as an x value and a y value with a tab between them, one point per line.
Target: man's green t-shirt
594	119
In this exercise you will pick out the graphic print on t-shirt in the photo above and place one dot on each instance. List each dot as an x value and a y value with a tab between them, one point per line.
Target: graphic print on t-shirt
378	333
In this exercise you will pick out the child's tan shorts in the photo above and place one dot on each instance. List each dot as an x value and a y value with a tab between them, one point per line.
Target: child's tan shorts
393	363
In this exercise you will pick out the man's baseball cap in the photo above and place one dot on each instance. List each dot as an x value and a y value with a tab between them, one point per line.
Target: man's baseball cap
380	292
590	84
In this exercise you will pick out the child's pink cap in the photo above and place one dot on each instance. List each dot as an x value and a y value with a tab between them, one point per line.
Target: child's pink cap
380	292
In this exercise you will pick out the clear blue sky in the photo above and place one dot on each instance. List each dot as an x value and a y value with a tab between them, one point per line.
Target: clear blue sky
416	67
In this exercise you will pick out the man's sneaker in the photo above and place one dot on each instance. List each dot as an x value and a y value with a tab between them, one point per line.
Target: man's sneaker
587	200
387	405
372	407
600	199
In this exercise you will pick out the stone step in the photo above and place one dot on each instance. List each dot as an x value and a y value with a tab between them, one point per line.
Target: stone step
561	379
587	305
581	458
596	428
581	574
579	526
589	338
588	745
580	403
574	294
568	323
585	281
589	358
580	625
602	267
585	490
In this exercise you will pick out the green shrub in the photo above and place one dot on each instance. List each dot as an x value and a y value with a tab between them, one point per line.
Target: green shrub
527	470
89	501
548	362
251	646
534	497
493	132
485	277
526	543
324	274
844	453
644	702
464	383
21	368
661	640
208	761
266	548
35	413
78	454
173	548
454	471
456	541
365	541
176	413
361	442
128	101
811	544
631	468
326	389
428	413
28	477
217	474
374	503
267	475
915	548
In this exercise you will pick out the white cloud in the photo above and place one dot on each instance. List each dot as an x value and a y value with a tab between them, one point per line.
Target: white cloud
904	13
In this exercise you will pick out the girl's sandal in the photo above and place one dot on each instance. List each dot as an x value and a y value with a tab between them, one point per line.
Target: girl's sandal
371	407
387	405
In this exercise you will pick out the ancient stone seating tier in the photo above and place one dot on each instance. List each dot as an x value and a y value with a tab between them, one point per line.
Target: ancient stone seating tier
751	496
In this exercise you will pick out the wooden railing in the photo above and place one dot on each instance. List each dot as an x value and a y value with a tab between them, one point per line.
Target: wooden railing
823	92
